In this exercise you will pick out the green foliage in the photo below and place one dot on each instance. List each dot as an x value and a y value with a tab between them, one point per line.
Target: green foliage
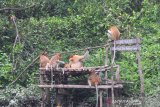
5	69
153	100
64	25
20	96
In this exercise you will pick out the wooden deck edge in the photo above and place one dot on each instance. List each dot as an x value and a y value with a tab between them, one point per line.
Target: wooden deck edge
80	86
83	68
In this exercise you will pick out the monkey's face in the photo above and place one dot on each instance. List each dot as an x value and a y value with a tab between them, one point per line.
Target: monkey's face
76	58
109	34
58	56
73	59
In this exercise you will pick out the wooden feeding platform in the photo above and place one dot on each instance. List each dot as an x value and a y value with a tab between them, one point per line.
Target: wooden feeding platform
53	75
71	71
56	75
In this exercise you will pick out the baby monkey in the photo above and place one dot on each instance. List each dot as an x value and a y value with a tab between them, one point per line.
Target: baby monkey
94	80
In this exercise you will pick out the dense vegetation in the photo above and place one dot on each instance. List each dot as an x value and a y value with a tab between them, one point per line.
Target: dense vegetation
63	25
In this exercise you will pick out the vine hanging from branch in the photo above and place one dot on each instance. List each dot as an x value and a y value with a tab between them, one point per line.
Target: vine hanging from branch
17	39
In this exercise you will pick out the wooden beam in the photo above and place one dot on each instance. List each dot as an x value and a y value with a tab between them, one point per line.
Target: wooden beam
108	82
75	71
126	48
80	86
78	69
127	41
66	71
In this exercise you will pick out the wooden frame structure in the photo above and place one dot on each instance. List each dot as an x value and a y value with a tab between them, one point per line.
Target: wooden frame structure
54	75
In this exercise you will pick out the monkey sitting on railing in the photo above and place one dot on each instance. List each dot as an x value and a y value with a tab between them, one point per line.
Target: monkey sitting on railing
113	34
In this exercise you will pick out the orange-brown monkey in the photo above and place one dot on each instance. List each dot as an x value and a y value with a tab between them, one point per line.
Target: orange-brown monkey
75	61
53	61
43	59
94	80
113	34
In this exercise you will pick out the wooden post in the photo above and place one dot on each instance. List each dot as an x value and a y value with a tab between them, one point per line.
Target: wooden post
140	75
106	62
42	89
101	97
51	89
48	100
118	73
106	72
41	81
112	89
112	75
51	77
45	95
42	96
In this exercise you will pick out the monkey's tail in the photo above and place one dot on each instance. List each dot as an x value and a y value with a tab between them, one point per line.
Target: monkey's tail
114	52
96	95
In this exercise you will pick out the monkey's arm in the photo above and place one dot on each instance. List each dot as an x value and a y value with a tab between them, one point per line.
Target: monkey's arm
86	55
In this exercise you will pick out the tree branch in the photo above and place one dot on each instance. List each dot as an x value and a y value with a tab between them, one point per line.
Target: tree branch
27	68
14	8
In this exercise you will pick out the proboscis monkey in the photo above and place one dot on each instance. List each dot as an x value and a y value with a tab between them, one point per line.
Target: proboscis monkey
53	62
113	34
75	61
94	80
13	18
43	59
